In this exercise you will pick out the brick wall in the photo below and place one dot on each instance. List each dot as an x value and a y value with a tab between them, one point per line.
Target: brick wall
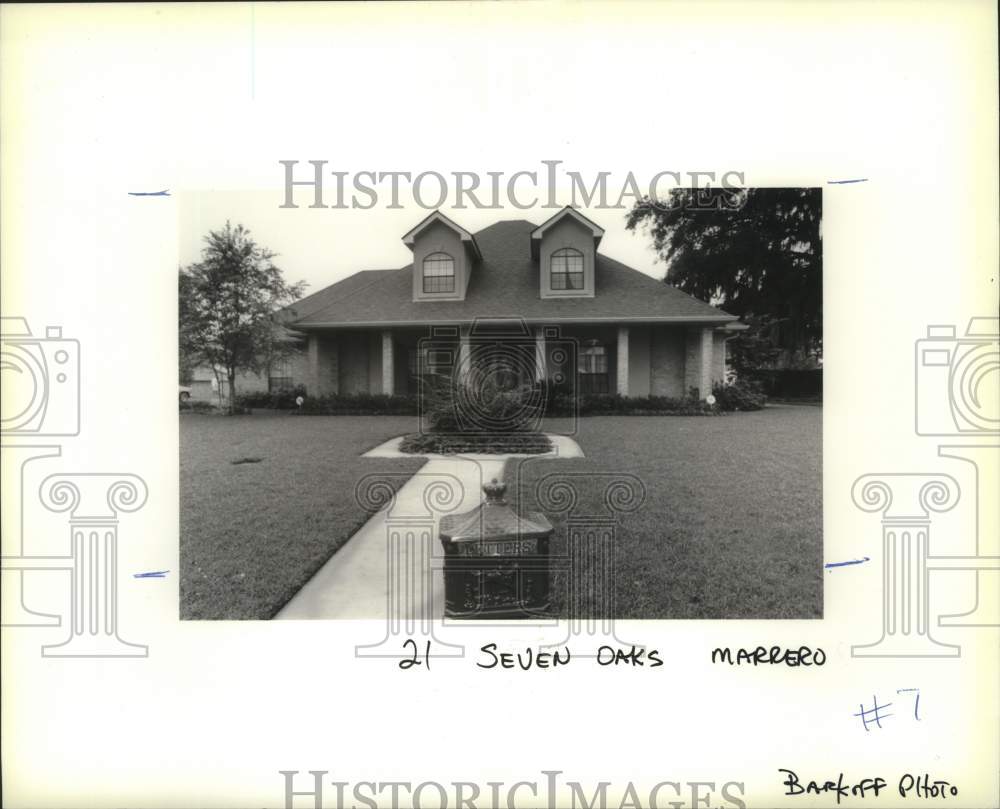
666	361
639	373
324	367
355	361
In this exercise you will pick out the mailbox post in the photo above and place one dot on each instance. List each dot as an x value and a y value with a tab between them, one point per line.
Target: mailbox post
496	562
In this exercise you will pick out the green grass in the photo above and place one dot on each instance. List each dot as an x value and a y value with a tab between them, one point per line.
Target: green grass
732	522
252	533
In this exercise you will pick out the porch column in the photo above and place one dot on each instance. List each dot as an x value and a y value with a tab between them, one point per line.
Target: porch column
698	361
323	365
623	361
705	381
312	364
540	370
388	364
463	353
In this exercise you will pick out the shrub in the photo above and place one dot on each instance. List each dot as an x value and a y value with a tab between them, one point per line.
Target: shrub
451	408
283	399
789	383
493	444
198	407
358	404
738	396
611	404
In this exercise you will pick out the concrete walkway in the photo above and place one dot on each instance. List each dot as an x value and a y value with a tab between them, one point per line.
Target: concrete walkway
390	569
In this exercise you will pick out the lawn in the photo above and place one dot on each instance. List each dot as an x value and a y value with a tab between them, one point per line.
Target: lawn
731	526
733	518
253	532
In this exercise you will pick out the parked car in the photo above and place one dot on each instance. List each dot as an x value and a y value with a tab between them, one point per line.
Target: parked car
185	393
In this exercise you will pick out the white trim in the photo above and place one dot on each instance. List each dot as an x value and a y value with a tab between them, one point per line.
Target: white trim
621	369
594	228
437	216
535	320
388	364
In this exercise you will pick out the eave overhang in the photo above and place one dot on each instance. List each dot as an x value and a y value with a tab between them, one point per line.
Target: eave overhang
721	321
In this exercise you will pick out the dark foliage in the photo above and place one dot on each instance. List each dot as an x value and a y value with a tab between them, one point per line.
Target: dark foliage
358	404
450	407
198	407
493	444
791	383
283	399
741	396
227	303
756	252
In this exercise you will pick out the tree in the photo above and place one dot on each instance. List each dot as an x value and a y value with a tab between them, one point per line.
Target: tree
757	253
227	303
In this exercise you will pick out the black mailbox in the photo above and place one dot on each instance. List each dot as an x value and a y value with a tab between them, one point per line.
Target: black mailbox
496	562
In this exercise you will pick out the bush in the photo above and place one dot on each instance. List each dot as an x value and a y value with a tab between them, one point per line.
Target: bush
789	383
358	404
451	408
283	399
738	396
198	407
611	404
493	444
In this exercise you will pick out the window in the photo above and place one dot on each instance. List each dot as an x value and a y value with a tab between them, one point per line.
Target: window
592	366
439	273
279	376
430	360
418	363
567	269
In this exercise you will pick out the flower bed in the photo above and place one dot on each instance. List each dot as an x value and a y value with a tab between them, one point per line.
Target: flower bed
491	444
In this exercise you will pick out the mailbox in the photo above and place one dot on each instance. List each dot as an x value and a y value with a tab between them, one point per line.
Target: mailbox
496	561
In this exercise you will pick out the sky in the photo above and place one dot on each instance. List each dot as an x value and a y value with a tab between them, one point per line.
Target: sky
322	246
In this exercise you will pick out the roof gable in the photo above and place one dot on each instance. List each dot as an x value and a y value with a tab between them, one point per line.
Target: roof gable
571	213
436	216
505	285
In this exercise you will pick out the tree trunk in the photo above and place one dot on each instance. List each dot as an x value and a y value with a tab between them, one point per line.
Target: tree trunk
232	393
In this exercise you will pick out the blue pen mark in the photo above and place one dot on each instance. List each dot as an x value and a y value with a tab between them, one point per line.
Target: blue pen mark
164	193
916	704
846	182
153	574
829	565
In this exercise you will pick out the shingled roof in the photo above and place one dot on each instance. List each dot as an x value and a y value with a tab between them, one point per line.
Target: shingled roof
505	284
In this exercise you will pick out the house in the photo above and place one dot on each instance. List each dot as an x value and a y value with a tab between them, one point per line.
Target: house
290	369
544	290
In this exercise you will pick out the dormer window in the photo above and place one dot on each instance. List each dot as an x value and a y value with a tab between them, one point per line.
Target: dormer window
439	273
567	269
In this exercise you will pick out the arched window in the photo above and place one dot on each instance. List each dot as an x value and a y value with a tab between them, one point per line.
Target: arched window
439	273
567	269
